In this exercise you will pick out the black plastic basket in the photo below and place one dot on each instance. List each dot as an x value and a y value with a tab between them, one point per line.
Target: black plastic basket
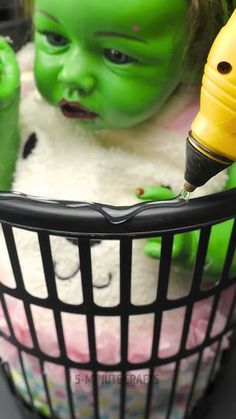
87	222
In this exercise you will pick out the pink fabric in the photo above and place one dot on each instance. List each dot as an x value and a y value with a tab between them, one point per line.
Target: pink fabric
107	342
18	320
184	118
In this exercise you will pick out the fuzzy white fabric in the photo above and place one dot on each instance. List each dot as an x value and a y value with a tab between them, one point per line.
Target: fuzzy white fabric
72	164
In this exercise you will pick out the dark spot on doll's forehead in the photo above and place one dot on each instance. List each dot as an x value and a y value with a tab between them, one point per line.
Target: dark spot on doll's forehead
136	27
29	145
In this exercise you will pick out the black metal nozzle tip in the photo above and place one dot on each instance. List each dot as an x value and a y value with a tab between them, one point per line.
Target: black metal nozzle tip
188	187
199	167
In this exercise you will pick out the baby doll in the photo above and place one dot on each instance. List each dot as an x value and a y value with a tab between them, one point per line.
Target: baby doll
108	116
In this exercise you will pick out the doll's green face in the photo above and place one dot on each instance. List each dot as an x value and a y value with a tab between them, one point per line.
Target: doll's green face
110	63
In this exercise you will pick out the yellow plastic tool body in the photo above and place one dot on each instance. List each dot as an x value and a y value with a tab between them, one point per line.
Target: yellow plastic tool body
215	125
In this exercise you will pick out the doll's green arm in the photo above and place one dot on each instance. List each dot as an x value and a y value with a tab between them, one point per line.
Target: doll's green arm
231	183
220	236
9	113
185	244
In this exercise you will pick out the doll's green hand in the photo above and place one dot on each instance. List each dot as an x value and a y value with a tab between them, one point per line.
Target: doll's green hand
9	75
155	193
183	243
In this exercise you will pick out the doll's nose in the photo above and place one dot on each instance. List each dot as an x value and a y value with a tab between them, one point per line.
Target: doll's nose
75	74
84	83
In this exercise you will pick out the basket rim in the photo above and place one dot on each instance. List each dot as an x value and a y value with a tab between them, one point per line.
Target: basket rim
91	219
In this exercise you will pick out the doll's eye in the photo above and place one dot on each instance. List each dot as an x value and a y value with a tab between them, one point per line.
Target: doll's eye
118	57
56	40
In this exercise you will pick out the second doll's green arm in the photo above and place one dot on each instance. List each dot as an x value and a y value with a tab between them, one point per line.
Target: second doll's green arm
220	236
9	113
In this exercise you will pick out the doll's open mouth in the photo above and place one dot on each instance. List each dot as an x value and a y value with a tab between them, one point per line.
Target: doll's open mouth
74	110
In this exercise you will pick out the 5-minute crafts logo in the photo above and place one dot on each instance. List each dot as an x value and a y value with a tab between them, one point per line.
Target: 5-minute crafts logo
115	378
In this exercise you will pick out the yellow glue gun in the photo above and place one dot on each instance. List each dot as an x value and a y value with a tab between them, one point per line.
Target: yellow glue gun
211	144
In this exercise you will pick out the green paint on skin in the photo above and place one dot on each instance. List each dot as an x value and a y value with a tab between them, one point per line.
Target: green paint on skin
112	34
9	113
96	59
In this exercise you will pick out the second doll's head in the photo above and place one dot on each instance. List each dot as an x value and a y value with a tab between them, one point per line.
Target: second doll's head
111	64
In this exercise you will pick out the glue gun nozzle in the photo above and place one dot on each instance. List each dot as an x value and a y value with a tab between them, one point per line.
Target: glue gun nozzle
188	187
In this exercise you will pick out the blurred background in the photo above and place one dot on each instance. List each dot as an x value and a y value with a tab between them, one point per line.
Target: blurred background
15	21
